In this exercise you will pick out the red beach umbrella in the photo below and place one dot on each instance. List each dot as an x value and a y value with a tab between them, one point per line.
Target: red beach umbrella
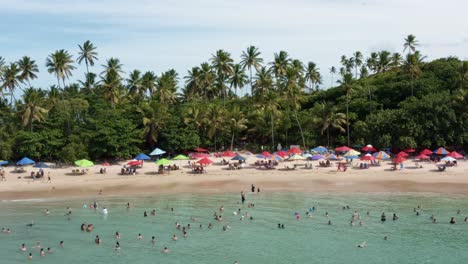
426	152
134	163
343	149
229	154
402	154
409	150
282	153
205	161
200	155
369	148
200	150
455	155
105	164
295	151
422	157
368	157
399	159
266	153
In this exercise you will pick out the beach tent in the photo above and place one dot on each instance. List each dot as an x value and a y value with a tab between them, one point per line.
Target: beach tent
3	162
455	155
181	157
368	157
399	159
369	148
41	165
163	162
317	157
282	153
426	152
25	161
229	154
381	155
200	150
448	158
422	157
84	163
319	149
295	151
135	163
441	151
403	154
157	151
266	154
333	157
142	156
238	157
205	161
343	149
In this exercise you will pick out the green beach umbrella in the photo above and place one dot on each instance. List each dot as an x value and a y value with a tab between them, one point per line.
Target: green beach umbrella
84	163
163	162
181	157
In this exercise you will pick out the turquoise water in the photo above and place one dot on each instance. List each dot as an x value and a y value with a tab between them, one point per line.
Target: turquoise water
411	239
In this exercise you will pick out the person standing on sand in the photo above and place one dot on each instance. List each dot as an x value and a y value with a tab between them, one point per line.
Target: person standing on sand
253	188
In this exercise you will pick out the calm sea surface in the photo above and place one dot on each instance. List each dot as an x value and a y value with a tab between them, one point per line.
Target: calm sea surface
411	239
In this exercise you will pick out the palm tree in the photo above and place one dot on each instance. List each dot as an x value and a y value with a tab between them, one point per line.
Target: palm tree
251	58
154	118
11	79
134	86
111	87
412	66
28	69
383	61
237	122
90	81
280	64
396	59
238	78
148	82
216	120
372	61
263	82
327	117
223	63
207	81
113	66
61	64
357	59
410	44
166	87
32	108
347	85
271	106
312	75
87	53
332	73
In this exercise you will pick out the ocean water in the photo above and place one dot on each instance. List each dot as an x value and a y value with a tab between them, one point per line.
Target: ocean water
411	239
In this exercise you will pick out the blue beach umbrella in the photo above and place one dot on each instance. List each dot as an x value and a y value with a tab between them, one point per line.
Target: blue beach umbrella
3	162
333	157
307	155
142	156
316	157
319	149
238	157
260	156
157	151
41	165
25	161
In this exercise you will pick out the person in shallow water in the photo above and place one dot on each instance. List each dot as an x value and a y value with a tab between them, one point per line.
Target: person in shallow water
30	256
97	240
395	217
165	250
23	247
117	246
453	221
383	218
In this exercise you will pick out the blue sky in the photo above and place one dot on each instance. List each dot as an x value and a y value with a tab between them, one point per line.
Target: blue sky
162	34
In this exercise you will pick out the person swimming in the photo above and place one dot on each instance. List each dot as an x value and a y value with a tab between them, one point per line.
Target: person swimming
174	237
104	211
434	221
395	217
153	212
383	217
210	225
38	245
83	227
128	205
140	237
30	256
145	214
31	224
41	252
153	241
117	246
49	250
165	250
61	244
329	222
47	212
117	235
97	240
23	247
282	226
362	245
453	221
90	228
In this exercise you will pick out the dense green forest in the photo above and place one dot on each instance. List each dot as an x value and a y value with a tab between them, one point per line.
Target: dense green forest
386	99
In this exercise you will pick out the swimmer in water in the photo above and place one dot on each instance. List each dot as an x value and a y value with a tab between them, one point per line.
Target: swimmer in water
41	252
117	246
385	238
47	212
453	221
210	225
466	219
38	245
329	222
279	225
23	247
30	256
128	205
153	241
383	217
165	250
97	240
49	250
8	231
61	244
282	226
221	209
434	221
174	237
362	245
145	214
395	217
140	237
117	235
153	212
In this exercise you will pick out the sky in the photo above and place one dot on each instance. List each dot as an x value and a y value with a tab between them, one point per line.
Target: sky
179	34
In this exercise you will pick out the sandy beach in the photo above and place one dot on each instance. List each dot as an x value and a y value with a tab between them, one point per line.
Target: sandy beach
219	179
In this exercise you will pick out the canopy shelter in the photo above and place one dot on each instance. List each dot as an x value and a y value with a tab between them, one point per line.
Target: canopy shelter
142	156
205	161
200	150
157	152
455	155
163	162
229	154
41	165
441	151
238	157
317	157
260	156
343	149
84	163
181	157
422	157
282	153
448	158
295	151
426	152
3	162
369	148
319	149
403	154
25	161
381	155
368	157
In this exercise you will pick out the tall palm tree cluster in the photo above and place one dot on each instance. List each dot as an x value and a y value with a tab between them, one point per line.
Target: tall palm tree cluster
227	104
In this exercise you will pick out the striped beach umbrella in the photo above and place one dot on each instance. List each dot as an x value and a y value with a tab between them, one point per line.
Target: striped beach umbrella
441	151
381	155
333	157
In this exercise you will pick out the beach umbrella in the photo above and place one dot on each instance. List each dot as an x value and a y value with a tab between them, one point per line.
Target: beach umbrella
181	157
200	150
352	152
422	157
403	154
333	157
369	148
248	153
368	157
238	157
295	151
426	152
343	149
25	161
319	149
276	157
441	151
399	159
157	151
163	162
381	155
297	157
135	163
282	153
307	155
41	165
199	155
448	158
229	154
84	163
316	157
455	155
205	161
3	162
106	164
142	156
266	154
409	150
